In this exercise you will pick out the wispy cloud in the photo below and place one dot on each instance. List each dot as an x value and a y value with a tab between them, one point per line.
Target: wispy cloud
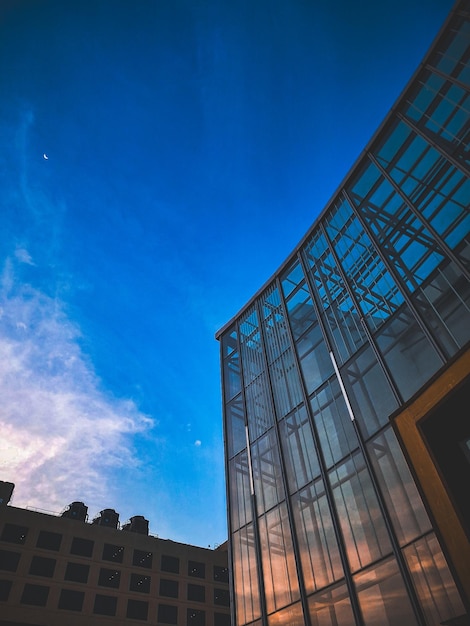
63	436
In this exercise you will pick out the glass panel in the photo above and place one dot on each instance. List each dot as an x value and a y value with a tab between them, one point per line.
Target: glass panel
340	316
286	384
300	456
376	292
258	407
383	597
301	312
331	607
232	376
368	391
229	342
451	57
315	361
444	301
405	507
235	421
358	511
275	326
433	581
239	484
433	185
251	347
291	278
267	472
247	603
407	352
321	562
334	427
279	571
291	616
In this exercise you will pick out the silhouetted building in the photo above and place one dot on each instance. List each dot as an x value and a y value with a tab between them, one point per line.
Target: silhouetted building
346	385
57	570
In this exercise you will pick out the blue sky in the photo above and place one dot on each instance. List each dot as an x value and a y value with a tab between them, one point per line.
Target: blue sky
190	144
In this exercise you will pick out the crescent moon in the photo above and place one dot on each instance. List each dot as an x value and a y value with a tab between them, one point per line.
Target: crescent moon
45	156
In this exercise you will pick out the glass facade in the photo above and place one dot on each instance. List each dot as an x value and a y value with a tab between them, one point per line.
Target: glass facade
327	524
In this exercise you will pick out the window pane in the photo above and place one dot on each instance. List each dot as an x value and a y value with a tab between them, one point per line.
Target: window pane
105	605
142	558
299	449
109	578
170	564
221	574
369	391
48	540
35	595
319	554
77	572
137	609
280	576
335	429
167	614
383	597
40	566
82	547
196	593
140	583
5	588
405	507
9	560
195	617
433	581
407	352
267	472
331	607
239	484
13	533
197	569
169	588
235	426
245	575
112	552
71	600
359	514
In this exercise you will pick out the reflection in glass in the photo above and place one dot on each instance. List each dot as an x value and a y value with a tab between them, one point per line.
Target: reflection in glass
383	597
247	603
433	581
239	482
368	391
267	472
408	353
335	429
331	607
359	514
280	575
404	504
300	457
321	562
290	616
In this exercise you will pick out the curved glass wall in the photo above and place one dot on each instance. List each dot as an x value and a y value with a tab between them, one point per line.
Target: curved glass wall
327	525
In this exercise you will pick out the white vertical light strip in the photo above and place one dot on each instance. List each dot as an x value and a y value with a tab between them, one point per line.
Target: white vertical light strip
343	390
250	469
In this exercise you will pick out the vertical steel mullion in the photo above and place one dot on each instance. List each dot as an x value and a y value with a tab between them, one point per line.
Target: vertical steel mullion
417	213
256	533
321	459
370	338
290	515
398	280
